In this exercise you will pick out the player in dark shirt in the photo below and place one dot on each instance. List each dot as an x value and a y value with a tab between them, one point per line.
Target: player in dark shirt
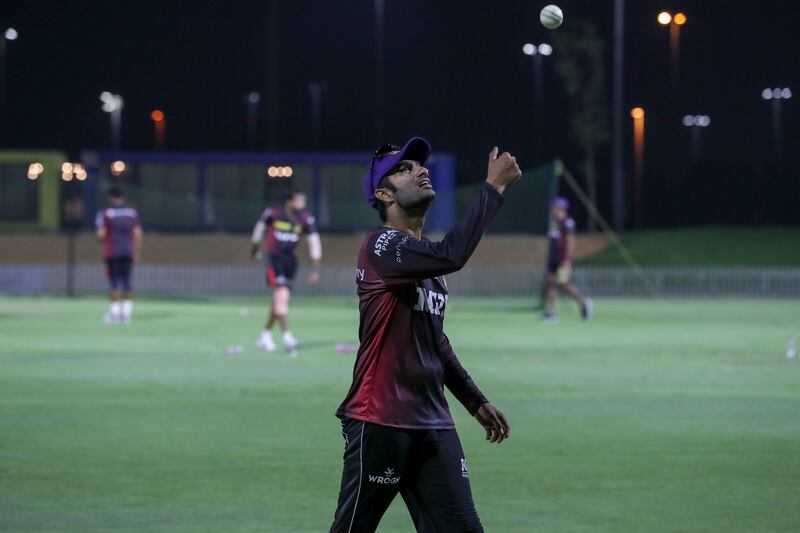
119	229
561	237
399	434
283	227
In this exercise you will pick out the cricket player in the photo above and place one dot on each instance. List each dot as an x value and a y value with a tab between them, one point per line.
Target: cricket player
399	434
283	227
559	262
119	229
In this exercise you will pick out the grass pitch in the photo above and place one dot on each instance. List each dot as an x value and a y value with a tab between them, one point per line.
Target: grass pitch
675	415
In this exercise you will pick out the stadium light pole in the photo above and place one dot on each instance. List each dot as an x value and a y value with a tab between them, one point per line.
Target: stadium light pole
273	78
377	126
776	95
618	172
665	18
315	89
695	123
160	126
252	99
113	104
10	34
537	53
637	114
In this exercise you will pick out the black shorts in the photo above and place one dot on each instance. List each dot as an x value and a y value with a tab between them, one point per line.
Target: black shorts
118	272
426	466
281	269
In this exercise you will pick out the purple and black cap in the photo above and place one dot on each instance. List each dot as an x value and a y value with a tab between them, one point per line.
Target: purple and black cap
416	149
559	202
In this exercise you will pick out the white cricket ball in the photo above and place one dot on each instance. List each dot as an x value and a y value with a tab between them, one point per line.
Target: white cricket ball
551	16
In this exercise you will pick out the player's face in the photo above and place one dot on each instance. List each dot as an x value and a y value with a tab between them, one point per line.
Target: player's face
298	202
559	214
413	184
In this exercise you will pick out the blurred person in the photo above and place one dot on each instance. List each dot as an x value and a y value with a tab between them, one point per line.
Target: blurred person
398	430
119	229
283	227
559	262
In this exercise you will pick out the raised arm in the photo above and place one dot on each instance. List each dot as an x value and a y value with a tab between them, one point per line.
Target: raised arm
398	257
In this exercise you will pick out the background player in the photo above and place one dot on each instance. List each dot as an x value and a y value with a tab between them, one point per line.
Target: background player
120	231
559	262
398	430
283	227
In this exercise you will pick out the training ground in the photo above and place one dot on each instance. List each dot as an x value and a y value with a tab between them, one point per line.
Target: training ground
663	415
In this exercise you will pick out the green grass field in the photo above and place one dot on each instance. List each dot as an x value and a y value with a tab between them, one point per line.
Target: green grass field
708	246
676	415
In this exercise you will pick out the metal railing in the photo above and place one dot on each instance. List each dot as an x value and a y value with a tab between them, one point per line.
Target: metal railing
479	281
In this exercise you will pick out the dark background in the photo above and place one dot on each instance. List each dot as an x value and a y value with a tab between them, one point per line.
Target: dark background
454	72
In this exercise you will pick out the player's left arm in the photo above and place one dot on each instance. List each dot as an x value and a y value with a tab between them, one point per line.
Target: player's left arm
100	226
569	253
460	383
138	240
314	247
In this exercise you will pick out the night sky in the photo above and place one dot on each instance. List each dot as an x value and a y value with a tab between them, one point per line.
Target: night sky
454	73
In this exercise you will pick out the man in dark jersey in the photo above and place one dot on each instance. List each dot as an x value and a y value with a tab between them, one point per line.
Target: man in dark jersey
399	434
283	227
119	229
559	261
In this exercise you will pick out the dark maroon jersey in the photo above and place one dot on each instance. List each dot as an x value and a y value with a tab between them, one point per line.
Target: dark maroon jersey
119	223
558	233
405	360
283	231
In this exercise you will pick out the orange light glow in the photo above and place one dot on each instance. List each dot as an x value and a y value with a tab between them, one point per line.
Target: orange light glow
157	115
665	18
637	113
679	19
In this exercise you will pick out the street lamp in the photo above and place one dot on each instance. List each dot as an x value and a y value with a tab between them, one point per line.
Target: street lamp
537	53
113	104
665	18
637	114
9	35
315	89
378	68
159	125
776	95
696	123
252	99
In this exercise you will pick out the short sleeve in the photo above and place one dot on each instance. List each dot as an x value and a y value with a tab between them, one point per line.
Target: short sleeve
309	224
267	216
569	225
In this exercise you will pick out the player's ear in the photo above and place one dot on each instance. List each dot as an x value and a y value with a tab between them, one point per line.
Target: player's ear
384	195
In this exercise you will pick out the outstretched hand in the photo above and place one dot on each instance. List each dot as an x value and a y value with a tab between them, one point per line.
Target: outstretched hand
503	170
494	422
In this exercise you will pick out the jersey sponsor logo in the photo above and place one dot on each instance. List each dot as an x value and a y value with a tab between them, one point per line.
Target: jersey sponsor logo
120	212
388	478
284	236
359	274
382	243
464	471
398	250
430	301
